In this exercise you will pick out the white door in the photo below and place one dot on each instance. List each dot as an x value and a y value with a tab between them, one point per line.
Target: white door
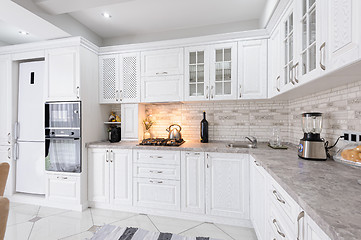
98	175
343	33
62	74
162	62
129	121
196	73
5	100
31	104
30	167
193	182
227	180
274	63
120	176
129	78
223	71
252	69
258	198
109	79
162	89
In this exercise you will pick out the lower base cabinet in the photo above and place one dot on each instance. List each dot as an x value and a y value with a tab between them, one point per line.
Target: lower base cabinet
63	188
110	176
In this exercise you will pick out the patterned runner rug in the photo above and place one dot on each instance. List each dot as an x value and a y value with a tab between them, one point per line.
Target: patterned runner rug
110	232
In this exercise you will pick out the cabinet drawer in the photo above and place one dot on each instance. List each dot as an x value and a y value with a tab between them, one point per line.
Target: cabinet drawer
157	157
142	170
62	188
155	193
278	225
285	203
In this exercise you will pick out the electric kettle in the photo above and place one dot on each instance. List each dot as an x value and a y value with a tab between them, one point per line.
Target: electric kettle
174	132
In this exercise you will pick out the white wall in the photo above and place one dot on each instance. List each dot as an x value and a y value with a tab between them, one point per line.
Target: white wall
267	12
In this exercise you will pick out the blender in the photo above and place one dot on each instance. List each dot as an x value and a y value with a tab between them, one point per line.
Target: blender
312	146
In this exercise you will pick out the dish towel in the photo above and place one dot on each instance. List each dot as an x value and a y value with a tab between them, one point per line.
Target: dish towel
110	232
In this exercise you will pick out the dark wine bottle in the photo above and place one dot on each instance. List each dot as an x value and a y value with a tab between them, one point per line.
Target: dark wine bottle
204	129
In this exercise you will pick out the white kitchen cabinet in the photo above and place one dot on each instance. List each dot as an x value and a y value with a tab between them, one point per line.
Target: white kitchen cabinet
5	101
119	76
274	62
162	62
196	73
63	74
342	45
258	196
252	69
223	71
193	182
162	89
132	116
63	188
110	176
227	185
313	231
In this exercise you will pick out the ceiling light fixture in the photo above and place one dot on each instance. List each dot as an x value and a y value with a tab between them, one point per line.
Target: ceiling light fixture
106	15
23	32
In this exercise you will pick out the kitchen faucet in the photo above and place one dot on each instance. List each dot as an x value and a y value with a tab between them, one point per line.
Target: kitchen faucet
253	141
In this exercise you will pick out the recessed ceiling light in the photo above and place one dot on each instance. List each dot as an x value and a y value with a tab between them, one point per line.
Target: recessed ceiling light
23	32
106	15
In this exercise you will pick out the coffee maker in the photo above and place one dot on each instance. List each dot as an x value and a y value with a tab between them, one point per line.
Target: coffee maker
312	146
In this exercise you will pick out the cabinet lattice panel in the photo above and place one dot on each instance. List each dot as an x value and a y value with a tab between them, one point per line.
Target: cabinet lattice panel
109	78
130	77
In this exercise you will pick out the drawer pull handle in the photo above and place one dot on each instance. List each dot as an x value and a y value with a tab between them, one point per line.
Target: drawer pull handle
278	228
278	197
300	216
161	73
257	164
152	171
151	181
156	157
9	138
62	178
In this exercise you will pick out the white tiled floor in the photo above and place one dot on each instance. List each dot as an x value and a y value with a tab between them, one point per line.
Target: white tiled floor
28	222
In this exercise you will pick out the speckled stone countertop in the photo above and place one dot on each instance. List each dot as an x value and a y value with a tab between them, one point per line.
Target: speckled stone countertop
328	191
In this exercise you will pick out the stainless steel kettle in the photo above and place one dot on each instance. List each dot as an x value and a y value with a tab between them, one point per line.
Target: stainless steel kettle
174	132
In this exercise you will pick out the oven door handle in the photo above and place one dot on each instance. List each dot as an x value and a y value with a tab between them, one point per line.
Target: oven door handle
65	138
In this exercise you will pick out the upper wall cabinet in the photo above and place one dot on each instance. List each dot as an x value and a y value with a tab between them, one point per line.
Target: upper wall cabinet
162	62
63	75
274	65
119	78
162	75
343	37
252	69
196	73
223	71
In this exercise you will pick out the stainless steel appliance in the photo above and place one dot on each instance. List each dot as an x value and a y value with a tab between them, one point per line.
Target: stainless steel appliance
174	132
312	146
63	136
162	142
29	135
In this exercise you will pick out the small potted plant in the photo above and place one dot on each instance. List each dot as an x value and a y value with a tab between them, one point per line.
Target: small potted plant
148	123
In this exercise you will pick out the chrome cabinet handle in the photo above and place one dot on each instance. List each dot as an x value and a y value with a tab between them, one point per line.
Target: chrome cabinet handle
9	153
278	228
257	163
153	171
151	181
278	197
116	95
240	90
107	156
111	154
161	73
64	178
290	76
77	92
121	95
322	47
278	83
300	216
212	87
295	74
155	156
9	138
207	92
16	151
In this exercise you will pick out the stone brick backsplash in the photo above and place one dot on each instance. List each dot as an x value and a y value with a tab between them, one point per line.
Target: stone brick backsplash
233	120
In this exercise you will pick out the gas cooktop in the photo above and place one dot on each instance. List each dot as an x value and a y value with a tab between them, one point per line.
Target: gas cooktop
161	142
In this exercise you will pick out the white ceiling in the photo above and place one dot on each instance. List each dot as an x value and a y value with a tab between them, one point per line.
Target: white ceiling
141	20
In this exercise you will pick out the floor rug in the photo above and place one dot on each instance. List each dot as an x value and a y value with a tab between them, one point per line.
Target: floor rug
110	232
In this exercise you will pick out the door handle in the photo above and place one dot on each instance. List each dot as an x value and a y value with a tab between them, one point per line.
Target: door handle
322	47
77	92
207	92
111	154
278	197
300	216
278	84
9	138
107	156
9	153
278	228
240	91
212	87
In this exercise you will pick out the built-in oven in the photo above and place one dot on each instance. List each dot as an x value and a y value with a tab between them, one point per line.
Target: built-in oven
63	137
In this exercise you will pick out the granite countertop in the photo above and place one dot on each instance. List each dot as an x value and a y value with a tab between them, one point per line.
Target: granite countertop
328	191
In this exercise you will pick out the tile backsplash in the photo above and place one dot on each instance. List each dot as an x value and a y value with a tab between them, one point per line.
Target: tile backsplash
233	120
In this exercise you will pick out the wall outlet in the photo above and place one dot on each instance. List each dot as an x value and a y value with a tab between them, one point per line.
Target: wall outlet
352	137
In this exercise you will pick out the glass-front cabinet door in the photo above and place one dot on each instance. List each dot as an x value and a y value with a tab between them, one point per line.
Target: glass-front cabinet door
197	73
223	72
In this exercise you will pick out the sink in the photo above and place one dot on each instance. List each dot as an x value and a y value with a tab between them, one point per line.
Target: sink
241	145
